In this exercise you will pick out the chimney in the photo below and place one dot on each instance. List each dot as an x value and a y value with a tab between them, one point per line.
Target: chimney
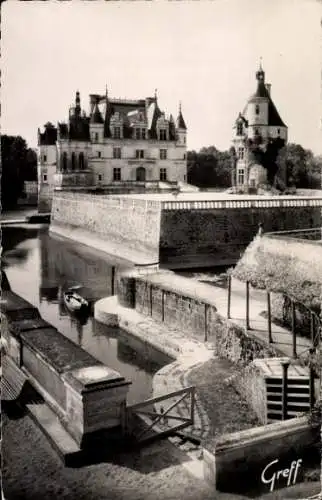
268	88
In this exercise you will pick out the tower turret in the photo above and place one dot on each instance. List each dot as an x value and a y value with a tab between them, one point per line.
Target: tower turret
181	127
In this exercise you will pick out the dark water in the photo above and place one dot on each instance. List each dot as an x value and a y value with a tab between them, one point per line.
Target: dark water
40	267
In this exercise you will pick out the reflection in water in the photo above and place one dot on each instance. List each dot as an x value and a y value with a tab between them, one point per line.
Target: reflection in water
45	267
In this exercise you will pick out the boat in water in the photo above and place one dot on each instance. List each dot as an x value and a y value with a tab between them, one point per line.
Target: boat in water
75	302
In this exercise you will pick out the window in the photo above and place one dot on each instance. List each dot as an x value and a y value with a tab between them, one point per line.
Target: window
257	109
241	153
163	174
45	158
99	154
163	154
116	174
96	137
278	131
140	174
73	161
45	177
143	133
117	153
256	131
252	183
99	177
239	129
81	161
184	139
138	133
163	135
65	161
184	156
117	133
241	176
139	153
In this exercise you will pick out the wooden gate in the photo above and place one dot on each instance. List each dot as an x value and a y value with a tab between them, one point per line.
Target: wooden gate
150	420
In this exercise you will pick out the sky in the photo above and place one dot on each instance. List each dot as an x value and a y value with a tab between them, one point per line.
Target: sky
202	53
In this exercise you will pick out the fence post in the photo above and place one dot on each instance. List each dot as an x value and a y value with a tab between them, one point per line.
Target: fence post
229	297
311	384
247	305
312	325
285	365
293	330
151	290
269	318
162	305
206	323
112	281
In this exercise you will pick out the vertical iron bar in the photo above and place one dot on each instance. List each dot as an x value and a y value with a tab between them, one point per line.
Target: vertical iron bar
229	297
269	318
312	389
293	330
192	406
312	325
206	323
151	300
247	305
162	305
112	281
285	365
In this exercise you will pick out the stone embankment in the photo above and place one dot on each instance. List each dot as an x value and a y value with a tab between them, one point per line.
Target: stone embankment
186	353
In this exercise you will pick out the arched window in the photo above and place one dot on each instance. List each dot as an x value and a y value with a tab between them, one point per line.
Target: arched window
81	161
73	161
64	161
140	174
257	109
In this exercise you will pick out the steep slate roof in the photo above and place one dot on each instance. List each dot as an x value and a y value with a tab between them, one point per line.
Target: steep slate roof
180	121
274	118
96	115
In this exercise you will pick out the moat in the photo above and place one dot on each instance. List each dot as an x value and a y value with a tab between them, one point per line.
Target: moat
40	267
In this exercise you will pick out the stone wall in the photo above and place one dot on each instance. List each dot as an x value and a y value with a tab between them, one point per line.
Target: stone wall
218	236
246	461
128	224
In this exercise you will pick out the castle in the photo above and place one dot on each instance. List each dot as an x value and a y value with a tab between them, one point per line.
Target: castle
259	133
121	146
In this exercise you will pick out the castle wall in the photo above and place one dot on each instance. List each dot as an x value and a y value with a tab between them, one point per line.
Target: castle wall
205	237
124	226
185	233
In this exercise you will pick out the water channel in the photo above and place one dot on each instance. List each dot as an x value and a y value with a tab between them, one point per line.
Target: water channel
40	266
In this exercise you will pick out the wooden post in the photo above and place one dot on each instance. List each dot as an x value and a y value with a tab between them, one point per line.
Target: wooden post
312	326
162	305
285	365
206	323
151	305
229	297
269	318
112	281
312	389
247	306
293	330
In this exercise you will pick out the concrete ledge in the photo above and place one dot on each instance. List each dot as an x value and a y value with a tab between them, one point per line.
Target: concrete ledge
107	311
120	250
247	460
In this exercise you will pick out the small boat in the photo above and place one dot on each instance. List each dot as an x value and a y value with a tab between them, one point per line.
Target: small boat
75	302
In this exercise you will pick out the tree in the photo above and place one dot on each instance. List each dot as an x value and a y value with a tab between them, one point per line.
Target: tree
18	164
302	169
210	167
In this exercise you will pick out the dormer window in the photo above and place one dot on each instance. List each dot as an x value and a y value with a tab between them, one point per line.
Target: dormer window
163	135
138	133
239	129
117	133
257	109
143	133
241	153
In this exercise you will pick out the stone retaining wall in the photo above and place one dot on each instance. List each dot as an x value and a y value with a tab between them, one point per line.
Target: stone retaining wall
249	461
123	222
86	395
